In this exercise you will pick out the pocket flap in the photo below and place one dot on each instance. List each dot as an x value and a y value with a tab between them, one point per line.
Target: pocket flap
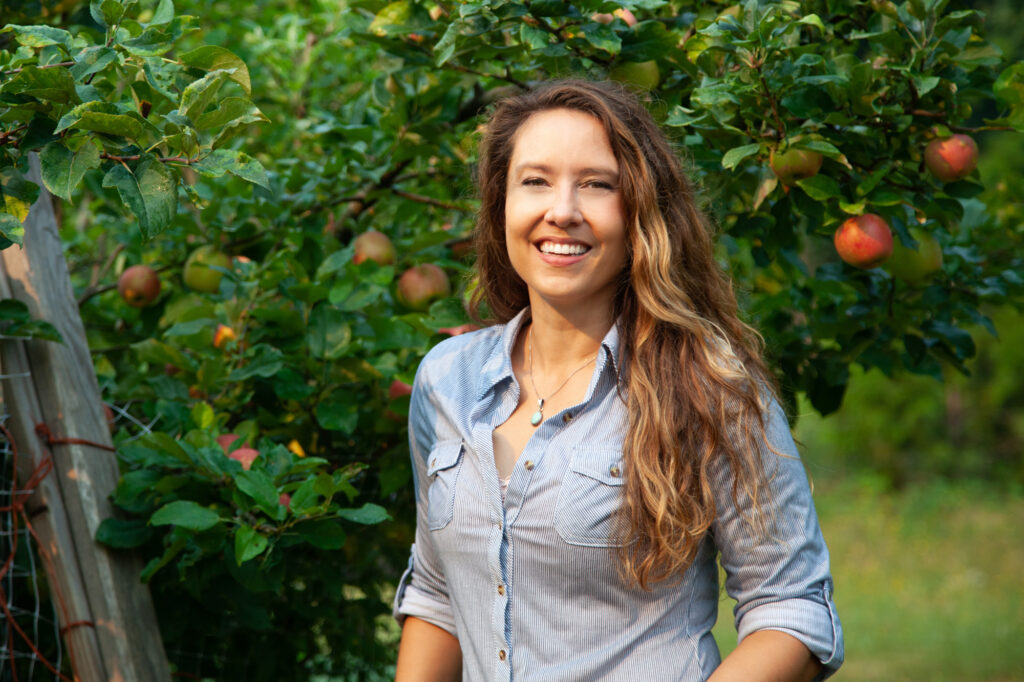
605	465
444	456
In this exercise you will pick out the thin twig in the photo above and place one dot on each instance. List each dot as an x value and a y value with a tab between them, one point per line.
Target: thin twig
11	72
429	200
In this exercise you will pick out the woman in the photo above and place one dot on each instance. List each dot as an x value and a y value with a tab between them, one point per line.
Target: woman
580	463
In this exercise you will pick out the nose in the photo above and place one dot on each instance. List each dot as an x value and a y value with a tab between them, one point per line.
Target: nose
565	207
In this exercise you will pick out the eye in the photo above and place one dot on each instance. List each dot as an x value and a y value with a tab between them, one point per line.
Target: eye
534	182
599	184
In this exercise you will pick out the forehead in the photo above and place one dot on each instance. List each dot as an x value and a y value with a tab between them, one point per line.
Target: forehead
563	135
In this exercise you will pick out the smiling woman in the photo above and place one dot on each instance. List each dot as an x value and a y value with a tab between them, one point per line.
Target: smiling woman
569	521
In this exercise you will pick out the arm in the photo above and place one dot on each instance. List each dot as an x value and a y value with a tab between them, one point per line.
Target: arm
427	653
768	656
784	614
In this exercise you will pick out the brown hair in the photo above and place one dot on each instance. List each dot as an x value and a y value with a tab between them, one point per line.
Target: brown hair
678	318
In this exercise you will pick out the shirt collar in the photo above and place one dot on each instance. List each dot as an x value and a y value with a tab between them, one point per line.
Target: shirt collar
498	366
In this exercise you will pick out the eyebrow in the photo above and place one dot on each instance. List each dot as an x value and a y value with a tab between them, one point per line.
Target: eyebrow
526	166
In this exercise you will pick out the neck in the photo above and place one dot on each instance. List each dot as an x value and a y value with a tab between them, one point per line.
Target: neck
562	342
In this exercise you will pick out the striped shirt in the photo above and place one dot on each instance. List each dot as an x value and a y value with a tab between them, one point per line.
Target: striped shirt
528	581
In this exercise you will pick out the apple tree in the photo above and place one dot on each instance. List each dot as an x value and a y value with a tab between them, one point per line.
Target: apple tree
260	417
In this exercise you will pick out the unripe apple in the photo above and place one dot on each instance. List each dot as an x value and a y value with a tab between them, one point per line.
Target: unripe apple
952	158
795	164
139	286
375	246
644	75
622	13
200	274
864	241
421	285
915	265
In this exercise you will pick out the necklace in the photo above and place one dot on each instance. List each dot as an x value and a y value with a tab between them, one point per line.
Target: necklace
537	417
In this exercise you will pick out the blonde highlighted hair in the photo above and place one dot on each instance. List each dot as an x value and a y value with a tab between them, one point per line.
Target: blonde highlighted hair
695	384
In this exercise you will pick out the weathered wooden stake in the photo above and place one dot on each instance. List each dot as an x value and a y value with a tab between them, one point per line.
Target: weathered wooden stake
71	406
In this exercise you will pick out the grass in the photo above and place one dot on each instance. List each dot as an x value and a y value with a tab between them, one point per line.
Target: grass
928	581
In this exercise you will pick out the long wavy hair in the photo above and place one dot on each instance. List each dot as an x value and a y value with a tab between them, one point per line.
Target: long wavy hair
696	386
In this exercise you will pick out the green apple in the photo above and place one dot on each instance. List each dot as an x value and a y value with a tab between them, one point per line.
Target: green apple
916	265
200	273
643	75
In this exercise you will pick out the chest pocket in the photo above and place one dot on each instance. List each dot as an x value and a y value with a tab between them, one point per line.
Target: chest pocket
591	497
443	467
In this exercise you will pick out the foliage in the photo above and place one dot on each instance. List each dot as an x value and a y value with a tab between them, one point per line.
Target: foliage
365	114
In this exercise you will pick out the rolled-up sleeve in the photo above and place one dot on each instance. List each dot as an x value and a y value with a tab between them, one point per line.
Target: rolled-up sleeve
780	579
422	591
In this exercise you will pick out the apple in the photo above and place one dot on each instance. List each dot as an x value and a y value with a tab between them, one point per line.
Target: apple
246	456
200	274
795	164
915	265
375	246
951	158
225	440
421	285
864	241
139	286
285	500
622	13
461	329
223	335
397	389
644	75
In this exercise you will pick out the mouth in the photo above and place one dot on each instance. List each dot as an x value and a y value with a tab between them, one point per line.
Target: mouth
554	248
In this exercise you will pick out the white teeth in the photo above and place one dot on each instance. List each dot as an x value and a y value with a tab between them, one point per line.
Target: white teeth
564	249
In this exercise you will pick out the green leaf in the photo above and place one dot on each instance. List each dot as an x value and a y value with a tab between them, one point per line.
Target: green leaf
229	110
602	37
92	60
123	533
369	514
52	85
329	335
737	154
260	488
156	40
106	13
100	117
202	416
322	533
215	58
1009	87
185	514
399	18
232	161
305	498
249	544
12	231
445	47
63	169
149	191
40	36
812	20
199	94
820	187
337	413
163	14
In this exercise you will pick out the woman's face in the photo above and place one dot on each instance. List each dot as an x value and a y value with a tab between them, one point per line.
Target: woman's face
565	223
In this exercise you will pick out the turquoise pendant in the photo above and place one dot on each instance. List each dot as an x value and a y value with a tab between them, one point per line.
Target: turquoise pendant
538	416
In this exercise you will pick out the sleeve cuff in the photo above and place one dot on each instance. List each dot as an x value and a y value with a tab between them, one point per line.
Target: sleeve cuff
410	601
812	620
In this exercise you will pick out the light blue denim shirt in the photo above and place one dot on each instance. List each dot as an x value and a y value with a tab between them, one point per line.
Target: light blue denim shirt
529	585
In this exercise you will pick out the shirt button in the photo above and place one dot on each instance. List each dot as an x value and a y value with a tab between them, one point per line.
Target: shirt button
614	471
528	464
501	590
433	462
501	654
567	417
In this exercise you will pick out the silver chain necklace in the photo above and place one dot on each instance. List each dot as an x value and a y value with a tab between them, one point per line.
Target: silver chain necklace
537	417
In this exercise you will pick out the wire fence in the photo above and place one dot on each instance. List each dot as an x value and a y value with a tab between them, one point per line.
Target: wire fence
30	642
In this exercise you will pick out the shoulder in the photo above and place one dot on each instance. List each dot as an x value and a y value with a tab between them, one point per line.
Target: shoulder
471	349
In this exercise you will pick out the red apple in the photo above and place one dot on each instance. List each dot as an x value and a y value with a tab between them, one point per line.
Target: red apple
225	441
285	500
461	329
398	388
139	286
200	269
952	158
864	241
795	164
421	285
246	456
375	246
622	13
916	265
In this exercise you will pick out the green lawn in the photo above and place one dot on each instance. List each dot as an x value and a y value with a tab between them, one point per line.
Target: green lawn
928	582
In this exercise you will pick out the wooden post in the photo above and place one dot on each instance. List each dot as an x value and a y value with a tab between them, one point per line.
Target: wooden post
72	407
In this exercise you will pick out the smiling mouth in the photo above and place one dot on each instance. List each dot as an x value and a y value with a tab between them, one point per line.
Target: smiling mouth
563	249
